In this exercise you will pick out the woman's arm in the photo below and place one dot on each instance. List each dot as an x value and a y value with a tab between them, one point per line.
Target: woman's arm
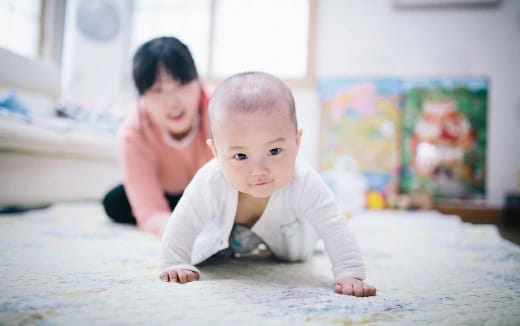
141	182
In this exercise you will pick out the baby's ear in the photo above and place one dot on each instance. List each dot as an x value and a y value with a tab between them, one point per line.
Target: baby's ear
299	137
211	146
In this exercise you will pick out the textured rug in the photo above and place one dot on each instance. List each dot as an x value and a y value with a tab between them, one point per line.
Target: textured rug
68	265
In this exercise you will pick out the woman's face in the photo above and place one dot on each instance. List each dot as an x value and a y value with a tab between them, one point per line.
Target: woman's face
171	104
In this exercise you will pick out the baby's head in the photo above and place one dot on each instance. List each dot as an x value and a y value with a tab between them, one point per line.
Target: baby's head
255	133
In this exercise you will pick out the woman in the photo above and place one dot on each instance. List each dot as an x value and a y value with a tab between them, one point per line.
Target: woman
163	143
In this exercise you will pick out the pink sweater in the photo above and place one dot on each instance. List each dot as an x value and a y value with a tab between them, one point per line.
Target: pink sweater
152	167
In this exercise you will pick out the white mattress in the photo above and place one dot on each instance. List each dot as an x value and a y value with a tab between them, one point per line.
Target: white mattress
50	160
68	265
55	137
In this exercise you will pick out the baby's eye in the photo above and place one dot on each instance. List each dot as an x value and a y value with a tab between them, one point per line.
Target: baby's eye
274	151
240	157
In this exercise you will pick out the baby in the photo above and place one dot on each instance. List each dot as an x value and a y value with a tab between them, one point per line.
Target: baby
256	191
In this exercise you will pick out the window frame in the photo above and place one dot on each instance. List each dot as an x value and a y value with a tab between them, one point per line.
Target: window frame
51	34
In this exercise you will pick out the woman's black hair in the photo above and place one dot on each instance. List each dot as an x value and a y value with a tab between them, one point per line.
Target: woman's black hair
172	53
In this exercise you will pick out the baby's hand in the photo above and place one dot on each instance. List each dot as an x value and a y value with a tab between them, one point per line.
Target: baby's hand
354	286
179	275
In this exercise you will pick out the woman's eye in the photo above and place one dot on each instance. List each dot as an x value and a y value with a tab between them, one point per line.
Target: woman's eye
240	156
274	151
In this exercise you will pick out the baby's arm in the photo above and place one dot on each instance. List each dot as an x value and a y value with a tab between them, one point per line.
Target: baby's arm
319	206
186	222
183	227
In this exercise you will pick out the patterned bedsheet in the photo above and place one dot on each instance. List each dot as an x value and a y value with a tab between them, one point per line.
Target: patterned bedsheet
68	265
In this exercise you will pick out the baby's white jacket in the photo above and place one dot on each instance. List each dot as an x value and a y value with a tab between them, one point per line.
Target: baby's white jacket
295	217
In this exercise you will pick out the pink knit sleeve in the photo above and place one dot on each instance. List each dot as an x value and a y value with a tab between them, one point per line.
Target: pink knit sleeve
141	181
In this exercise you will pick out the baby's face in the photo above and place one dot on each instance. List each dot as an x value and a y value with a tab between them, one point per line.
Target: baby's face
257	151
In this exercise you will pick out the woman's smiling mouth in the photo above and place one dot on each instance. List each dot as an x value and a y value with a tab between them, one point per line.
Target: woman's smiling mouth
176	116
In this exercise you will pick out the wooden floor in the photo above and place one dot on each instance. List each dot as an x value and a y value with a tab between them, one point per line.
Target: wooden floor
478	214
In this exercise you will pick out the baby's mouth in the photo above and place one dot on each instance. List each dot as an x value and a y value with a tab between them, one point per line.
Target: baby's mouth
262	182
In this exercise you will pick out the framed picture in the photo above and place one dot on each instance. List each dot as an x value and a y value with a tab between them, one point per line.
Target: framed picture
360	128
444	137
441	3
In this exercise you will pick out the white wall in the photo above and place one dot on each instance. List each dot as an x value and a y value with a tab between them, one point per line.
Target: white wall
360	38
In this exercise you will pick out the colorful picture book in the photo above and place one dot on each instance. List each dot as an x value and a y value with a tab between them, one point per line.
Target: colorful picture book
420	135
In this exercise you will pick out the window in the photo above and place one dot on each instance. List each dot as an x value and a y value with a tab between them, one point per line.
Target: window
20	26
188	20
230	36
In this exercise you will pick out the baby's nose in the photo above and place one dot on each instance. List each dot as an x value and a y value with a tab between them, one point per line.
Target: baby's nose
259	172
